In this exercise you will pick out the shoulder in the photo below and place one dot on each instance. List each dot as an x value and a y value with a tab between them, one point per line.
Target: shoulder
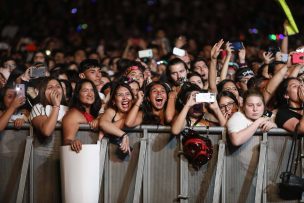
37	110
73	115
284	114
237	122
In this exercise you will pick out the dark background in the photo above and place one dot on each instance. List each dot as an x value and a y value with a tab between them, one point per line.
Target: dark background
116	20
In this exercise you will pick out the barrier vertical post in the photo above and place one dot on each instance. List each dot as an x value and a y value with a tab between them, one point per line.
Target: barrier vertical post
140	167
106	178
25	167
184	175
146	178
102	155
219	170
261	170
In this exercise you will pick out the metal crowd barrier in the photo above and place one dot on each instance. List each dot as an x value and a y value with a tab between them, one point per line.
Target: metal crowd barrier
156	171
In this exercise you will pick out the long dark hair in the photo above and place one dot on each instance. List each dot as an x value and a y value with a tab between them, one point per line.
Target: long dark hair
75	101
111	103
149	117
281	91
2	95
41	95
227	94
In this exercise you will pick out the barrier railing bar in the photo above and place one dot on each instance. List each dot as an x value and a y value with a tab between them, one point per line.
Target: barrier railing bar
261	170
25	167
184	173
163	129
140	167
102	155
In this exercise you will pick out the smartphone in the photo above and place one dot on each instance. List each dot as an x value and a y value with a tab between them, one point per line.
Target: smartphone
282	57
147	53
237	46
273	50
267	114
37	72
20	90
205	97
297	58
179	52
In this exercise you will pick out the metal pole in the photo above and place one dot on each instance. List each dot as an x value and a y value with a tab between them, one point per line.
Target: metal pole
183	174
140	167
25	167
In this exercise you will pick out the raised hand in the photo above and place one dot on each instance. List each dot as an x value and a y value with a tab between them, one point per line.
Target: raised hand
17	102
56	97
229	47
216	49
268	57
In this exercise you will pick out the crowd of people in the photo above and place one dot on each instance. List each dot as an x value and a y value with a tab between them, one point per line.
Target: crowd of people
153	82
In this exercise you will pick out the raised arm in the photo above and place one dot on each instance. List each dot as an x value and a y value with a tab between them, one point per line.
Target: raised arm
215	51
46	125
170	110
224	70
6	115
273	83
180	121
134	117
217	112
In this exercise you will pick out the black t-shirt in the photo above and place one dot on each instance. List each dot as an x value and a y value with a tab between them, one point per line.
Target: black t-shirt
284	114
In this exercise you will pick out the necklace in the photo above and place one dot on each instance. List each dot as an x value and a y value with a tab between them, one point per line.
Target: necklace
295	108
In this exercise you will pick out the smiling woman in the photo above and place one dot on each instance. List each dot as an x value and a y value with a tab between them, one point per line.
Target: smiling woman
113	120
153	105
84	108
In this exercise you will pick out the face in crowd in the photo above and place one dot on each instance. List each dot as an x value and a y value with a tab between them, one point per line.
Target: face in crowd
93	74
86	94
53	87
178	72
201	68
123	99
158	96
227	105
253	107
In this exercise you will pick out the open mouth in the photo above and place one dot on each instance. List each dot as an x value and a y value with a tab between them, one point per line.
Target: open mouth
125	104
159	101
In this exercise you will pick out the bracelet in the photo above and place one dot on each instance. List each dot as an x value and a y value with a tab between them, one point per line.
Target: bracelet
123	135
56	107
137	105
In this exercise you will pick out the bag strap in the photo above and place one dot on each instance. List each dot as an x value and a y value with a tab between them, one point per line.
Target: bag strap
293	150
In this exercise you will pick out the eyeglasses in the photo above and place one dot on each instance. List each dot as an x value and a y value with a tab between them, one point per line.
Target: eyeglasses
227	106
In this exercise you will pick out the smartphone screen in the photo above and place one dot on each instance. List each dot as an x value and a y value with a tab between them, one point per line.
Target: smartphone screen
20	90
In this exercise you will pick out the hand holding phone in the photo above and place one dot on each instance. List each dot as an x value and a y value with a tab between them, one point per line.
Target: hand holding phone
179	52
147	53
297	58
205	97
237	46
37	72
20	90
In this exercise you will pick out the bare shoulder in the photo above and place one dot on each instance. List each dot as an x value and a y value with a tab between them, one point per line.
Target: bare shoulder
73	115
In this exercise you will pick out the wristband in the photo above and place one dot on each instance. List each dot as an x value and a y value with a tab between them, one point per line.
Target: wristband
123	135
